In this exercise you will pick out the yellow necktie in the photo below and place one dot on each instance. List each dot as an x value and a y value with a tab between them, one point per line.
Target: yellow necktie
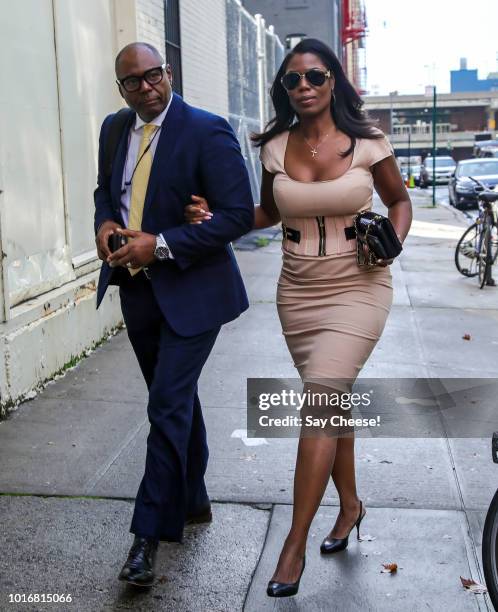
139	184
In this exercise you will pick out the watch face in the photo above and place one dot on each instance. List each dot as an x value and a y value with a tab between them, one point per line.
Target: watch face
162	252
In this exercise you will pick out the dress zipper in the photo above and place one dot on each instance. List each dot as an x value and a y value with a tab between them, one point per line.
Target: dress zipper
321	229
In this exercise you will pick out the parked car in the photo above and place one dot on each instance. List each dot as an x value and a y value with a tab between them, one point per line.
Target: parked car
461	189
486	148
445	167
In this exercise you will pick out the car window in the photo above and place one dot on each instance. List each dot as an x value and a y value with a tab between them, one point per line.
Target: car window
479	168
444	161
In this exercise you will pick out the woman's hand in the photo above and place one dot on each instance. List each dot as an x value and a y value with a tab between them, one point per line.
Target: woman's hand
198	211
378	262
384	262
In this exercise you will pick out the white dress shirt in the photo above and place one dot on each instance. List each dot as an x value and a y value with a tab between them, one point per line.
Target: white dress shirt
134	139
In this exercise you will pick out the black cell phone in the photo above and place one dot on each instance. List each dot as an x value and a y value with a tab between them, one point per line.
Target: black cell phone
116	241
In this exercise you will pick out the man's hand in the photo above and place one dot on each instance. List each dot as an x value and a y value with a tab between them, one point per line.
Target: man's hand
137	253
102	239
198	211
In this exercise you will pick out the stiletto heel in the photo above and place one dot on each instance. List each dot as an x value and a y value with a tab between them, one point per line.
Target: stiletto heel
285	589
332	545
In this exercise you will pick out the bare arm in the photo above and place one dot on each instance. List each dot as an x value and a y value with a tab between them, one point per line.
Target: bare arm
266	214
392	191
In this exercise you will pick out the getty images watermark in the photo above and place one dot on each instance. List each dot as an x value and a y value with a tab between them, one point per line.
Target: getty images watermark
323	403
372	407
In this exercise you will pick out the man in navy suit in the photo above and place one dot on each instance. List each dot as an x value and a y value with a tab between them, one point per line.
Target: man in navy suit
178	282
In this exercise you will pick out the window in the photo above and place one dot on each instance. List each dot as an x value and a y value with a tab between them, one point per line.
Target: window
173	43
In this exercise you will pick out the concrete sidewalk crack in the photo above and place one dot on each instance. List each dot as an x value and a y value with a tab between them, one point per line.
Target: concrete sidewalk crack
96	478
259	558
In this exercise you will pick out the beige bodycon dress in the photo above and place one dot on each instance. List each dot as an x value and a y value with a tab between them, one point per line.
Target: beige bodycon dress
332	311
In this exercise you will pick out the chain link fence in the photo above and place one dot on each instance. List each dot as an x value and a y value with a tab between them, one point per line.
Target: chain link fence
254	54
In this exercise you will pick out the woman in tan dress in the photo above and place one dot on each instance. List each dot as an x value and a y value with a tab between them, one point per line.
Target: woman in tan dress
321	159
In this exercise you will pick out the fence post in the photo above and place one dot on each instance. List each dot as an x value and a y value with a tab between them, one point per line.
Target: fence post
261	47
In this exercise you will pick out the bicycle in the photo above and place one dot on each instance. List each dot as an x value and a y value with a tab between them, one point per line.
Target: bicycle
477	249
490	538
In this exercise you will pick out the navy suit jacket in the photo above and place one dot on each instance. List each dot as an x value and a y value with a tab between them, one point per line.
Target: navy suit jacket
197	153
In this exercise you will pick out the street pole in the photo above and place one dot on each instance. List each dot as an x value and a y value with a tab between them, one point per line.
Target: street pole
434	100
409	153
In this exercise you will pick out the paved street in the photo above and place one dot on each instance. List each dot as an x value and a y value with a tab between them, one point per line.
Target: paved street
73	457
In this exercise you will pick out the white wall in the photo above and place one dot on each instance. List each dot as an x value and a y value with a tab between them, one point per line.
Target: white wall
54	98
204	54
150	23
87	93
33	215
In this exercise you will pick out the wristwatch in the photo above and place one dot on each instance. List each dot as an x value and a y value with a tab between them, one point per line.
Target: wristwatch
161	252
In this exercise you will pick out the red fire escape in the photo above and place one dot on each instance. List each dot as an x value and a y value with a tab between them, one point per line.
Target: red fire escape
354	25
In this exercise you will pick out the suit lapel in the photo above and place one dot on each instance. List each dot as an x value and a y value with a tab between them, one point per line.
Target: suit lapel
168	138
119	162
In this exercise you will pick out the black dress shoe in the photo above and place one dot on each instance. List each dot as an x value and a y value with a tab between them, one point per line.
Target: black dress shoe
285	589
139	567
202	516
332	545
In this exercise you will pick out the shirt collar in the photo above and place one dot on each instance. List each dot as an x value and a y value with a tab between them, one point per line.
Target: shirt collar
139	123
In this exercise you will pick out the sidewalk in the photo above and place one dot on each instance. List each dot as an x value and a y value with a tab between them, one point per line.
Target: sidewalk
73	457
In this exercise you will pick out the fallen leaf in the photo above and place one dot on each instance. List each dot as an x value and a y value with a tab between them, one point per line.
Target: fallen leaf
472	585
389	568
466	337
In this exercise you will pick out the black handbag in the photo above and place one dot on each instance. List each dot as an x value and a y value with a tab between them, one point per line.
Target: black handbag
377	233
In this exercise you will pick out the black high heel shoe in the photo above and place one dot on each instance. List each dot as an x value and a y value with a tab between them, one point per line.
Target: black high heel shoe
332	545
285	589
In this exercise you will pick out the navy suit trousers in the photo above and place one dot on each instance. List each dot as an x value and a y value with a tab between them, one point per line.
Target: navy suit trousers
177	452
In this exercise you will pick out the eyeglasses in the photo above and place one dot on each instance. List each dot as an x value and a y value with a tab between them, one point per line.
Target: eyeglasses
315	77
153	76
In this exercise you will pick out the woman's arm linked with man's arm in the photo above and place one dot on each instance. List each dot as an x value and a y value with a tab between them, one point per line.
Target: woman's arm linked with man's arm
265	214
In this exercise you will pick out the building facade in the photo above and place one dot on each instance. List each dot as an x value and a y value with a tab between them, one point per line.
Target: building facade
354	24
50	120
468	80
460	120
295	19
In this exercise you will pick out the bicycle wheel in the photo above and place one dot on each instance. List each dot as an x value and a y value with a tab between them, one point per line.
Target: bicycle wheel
494	244
466	252
490	550
484	257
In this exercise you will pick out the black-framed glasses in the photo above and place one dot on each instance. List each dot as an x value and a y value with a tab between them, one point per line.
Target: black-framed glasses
153	76
314	76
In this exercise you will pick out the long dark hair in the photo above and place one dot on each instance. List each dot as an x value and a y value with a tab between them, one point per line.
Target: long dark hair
346	110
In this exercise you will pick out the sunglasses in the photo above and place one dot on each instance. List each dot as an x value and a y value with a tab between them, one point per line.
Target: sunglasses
152	77
315	77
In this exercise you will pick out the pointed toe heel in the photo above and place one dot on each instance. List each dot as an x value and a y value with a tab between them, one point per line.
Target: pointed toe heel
284	589
333	545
